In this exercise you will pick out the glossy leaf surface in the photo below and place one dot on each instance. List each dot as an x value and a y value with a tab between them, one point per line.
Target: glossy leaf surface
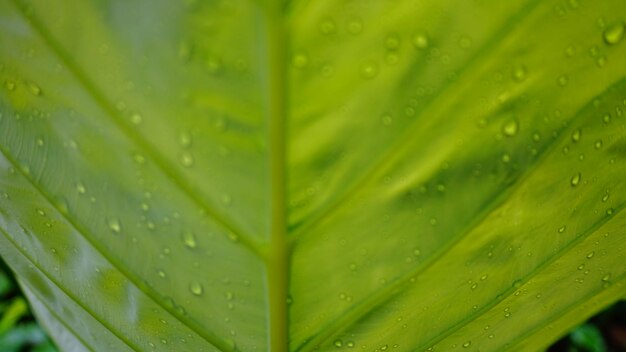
257	175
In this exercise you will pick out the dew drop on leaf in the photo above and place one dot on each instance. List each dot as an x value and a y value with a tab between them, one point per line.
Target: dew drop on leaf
189	239
392	42
355	25
519	73
510	128
186	159
327	26
563	80
34	88
575	179
576	135
420	40
114	225
196	288
614	33
590	255
136	118
9	85
467	344
338	343
369	70
300	59
81	188
184	139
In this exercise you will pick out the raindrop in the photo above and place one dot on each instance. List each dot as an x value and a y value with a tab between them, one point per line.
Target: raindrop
614	33
467	344
575	180
189	239
186	159
355	26
392	42
519	73
420	40
184	139
196	288
213	65
350	344
10	85
576	135
369	70
562	229
386	119
136	118
81	188
338	343
327	26
590	255
510	128
34	88
161	273
300	60
114	225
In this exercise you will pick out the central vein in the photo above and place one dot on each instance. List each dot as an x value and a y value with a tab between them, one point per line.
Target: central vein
277	256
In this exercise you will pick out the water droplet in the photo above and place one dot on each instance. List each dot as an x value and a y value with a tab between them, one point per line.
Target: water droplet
139	159
420	40
510	128
609	211
563	80
386	119
384	347
562	229
300	59
81	188
114	225
605	198
186	159
213	65
136	118
519	73
465	42
41	212
484	277
590	255
598	144
338	343
161	273
575	179
350	344
34	88
506	158
327	26
196	288
40	142
467	344
606	277
369	70
227	199
576	135
9	85
614	33
189	239
355	26
392	42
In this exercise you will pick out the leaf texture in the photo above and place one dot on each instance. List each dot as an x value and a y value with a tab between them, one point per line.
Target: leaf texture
313	175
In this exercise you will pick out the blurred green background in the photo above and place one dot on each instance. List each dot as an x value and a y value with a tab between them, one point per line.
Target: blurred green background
605	332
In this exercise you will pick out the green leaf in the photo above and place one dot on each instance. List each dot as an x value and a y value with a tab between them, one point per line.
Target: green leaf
588	338
259	175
